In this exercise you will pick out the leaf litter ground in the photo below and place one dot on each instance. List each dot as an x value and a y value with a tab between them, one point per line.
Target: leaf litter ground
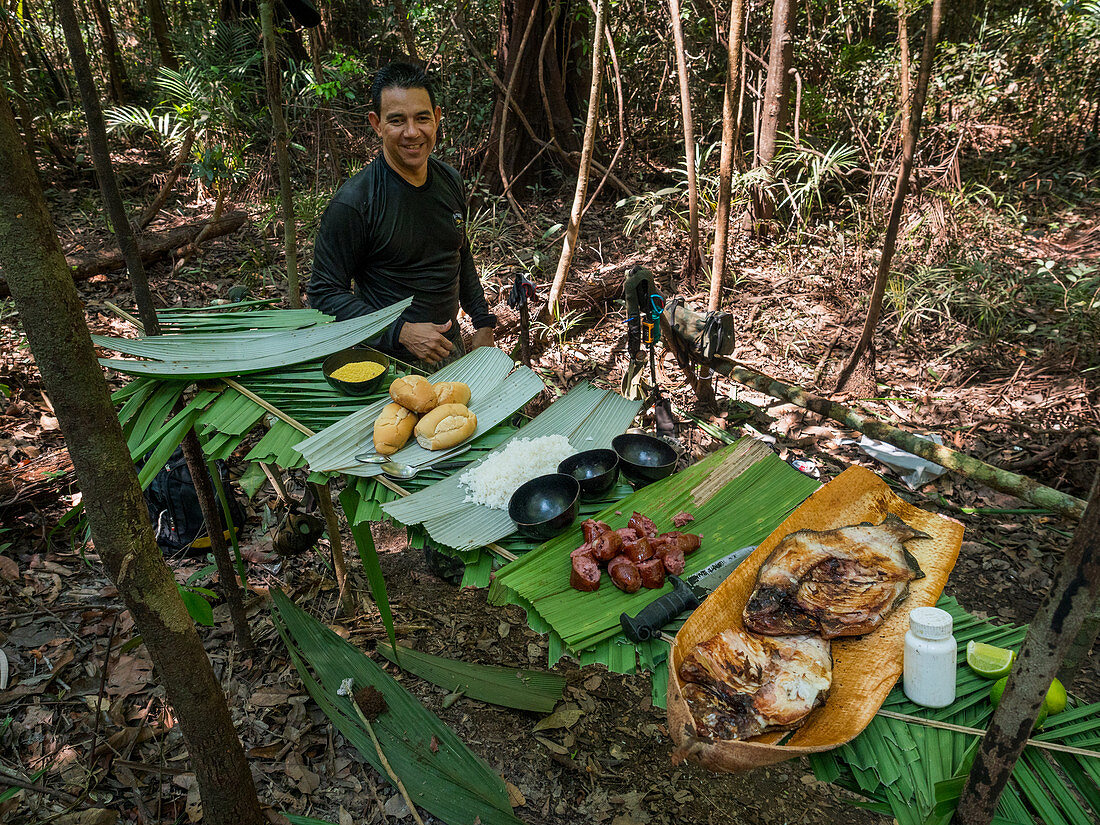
602	755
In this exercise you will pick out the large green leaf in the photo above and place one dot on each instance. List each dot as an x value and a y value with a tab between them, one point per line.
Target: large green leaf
498	388
737	496
510	687
193	356
918	772
440	773
588	416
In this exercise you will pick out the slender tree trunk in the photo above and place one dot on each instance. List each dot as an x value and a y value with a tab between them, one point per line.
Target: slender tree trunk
406	29
116	71
159	24
53	320
574	227
124	233
725	168
10	46
903	67
774	115
182	155
286	191
865	347
1050	635
101	157
694	261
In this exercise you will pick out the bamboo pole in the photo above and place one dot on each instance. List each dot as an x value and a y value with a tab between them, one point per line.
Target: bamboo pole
969	467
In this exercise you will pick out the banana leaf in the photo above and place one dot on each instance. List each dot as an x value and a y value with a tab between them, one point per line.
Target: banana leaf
916	773
193	355
509	687
737	495
588	416
498	389
441	774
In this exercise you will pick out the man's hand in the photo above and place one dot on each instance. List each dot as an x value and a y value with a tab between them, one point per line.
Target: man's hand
426	340
482	338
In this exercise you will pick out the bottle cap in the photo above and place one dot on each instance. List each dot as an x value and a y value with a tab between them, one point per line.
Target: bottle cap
930	623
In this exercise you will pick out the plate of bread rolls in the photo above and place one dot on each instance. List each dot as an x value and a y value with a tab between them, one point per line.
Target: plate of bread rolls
435	413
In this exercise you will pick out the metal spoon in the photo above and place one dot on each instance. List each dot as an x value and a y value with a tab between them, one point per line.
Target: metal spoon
397	470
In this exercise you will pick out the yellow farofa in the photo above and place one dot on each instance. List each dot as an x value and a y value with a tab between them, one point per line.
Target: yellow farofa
358	371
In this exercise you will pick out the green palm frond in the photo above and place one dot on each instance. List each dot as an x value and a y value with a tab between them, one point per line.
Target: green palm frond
509	687
193	356
916	773
498	389
587	416
737	495
440	773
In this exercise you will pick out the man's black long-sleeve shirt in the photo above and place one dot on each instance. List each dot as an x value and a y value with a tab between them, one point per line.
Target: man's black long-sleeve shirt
392	239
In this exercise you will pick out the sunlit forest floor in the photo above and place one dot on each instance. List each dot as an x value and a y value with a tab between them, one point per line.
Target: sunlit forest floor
990	340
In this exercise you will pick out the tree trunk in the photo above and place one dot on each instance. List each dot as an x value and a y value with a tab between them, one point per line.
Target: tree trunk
273	82
1050	635
774	116
903	67
573	229
53	321
159	24
967	466
124	233
116	71
694	261
539	89
725	169
857	363
101	157
406	29
9	46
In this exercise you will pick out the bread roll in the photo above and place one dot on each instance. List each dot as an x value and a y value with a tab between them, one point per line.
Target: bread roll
445	426
452	392
393	428
413	392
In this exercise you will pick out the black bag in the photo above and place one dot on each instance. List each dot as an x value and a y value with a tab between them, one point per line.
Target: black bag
174	507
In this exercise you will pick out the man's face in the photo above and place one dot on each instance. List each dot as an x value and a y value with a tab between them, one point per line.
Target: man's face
407	125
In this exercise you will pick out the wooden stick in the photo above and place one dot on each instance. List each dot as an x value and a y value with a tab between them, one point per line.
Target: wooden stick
386	763
932	723
332	523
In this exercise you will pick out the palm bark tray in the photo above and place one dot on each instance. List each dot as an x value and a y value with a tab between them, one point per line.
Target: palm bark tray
864	669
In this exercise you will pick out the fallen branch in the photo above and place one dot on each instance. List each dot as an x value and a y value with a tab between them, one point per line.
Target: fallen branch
152	247
967	466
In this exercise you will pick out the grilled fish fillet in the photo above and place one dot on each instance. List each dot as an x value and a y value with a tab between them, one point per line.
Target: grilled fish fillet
837	583
738	684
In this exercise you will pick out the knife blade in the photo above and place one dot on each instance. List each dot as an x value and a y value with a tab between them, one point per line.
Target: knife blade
687	594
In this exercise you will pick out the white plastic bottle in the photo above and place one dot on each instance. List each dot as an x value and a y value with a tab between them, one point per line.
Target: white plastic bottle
930	658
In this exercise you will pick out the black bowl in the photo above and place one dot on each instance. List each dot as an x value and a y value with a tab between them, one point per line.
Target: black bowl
596	470
351	356
644	458
545	506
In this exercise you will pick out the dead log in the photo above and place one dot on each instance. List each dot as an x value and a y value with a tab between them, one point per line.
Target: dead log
967	466
153	247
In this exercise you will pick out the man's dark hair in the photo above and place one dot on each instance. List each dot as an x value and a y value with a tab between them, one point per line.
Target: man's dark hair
399	76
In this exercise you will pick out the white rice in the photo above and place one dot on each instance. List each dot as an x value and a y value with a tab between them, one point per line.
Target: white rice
494	480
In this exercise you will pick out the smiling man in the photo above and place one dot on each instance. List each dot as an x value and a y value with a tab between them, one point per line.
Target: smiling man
397	229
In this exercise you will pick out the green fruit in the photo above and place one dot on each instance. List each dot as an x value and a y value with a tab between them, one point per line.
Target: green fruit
989	661
1056	698
998	690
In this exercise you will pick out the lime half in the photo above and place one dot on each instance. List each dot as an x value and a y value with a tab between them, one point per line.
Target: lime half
989	661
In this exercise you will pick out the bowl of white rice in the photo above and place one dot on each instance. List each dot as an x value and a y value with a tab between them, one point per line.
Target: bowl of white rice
493	481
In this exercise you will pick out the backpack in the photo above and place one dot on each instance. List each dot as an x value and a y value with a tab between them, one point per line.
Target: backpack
174	507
